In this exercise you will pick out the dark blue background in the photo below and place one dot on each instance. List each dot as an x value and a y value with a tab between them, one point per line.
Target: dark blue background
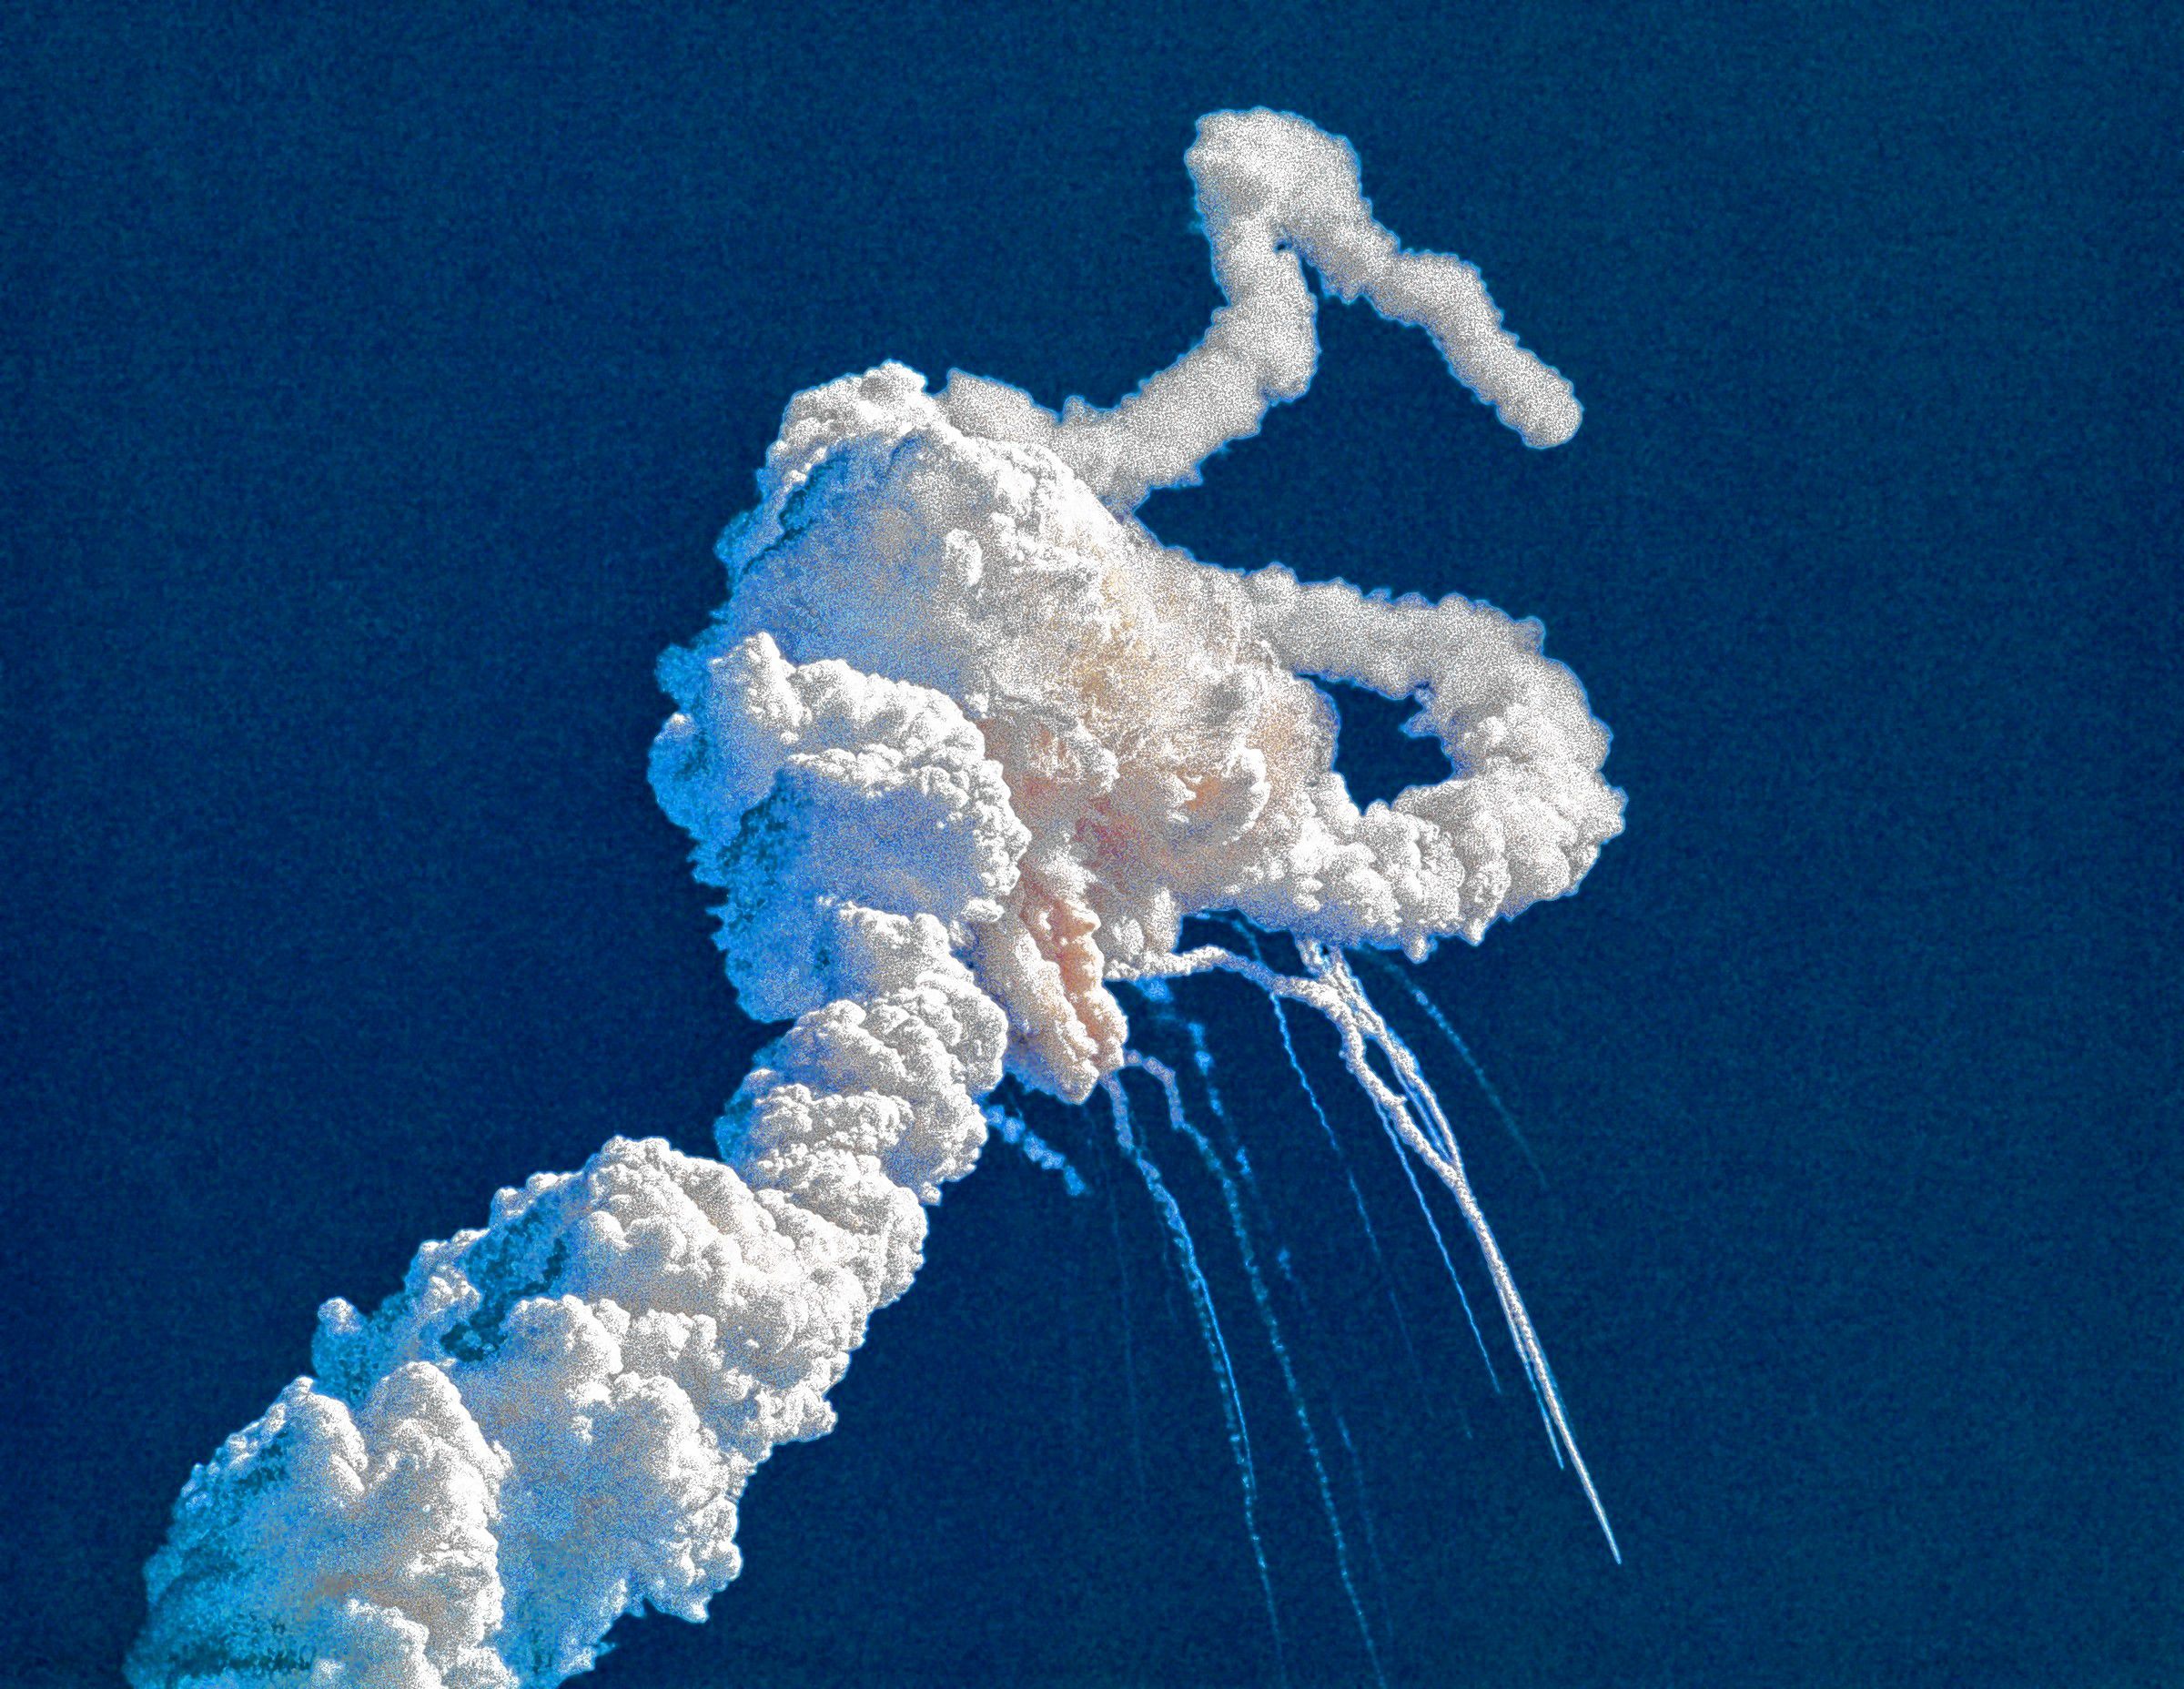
378	385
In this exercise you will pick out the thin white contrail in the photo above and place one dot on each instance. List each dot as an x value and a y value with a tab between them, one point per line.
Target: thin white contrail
1334	992
1181	1123
1350	1178
1455	1040
1216	1345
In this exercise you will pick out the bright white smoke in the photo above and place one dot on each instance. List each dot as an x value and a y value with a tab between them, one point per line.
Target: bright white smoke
1272	189
964	744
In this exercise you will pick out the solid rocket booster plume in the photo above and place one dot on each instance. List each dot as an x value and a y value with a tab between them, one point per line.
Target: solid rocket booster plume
1272	189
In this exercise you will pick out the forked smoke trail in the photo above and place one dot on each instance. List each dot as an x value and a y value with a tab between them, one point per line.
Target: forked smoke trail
1449	1164
963	748
1332	990
1425	1209
1440	1244
1273	190
1357	1197
1240	1150
1210	1330
1463	1050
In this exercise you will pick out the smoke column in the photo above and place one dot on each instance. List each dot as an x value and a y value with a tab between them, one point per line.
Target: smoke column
964	744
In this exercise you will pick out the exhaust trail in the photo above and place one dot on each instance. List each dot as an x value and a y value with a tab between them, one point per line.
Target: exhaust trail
1216	1345
1165	1076
1349	1179
1455	1040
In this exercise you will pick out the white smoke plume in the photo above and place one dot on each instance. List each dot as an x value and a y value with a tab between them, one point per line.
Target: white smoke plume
550	1424
1272	189
964	744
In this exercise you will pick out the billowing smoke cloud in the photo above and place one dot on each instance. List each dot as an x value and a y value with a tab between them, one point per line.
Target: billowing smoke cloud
964	744
551	1422
1158	742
